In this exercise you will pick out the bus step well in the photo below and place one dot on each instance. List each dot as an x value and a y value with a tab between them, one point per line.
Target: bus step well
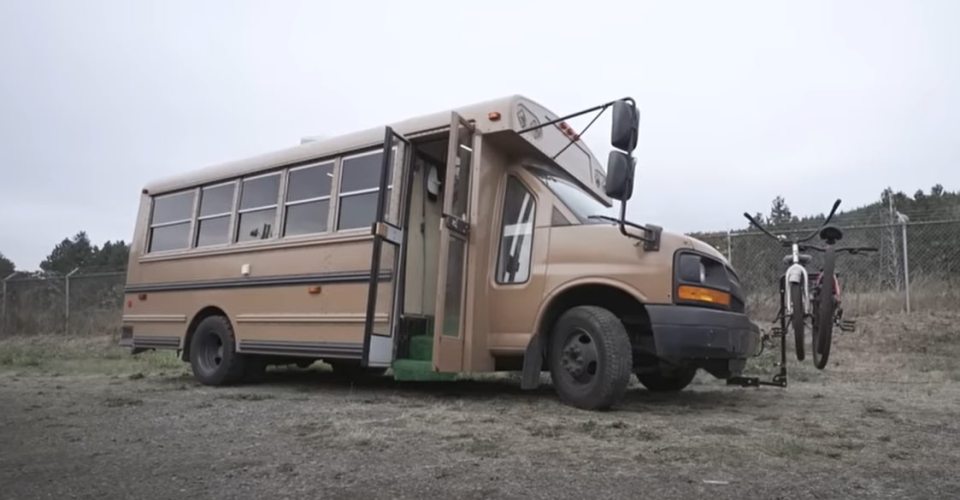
421	348
418	370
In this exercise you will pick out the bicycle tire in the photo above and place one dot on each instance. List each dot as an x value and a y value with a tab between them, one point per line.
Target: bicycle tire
826	306
796	318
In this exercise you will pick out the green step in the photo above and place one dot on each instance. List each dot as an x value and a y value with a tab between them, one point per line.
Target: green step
421	348
417	370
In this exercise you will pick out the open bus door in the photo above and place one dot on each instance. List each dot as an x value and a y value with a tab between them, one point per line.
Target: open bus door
448	341
385	295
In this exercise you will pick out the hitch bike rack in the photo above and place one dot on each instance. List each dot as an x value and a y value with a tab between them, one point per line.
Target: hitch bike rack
780	379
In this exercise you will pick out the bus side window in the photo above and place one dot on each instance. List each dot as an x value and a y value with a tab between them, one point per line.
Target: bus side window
258	207
359	188
308	199
216	208
516	234
170	221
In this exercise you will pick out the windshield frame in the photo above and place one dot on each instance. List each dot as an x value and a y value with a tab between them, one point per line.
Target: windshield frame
552	177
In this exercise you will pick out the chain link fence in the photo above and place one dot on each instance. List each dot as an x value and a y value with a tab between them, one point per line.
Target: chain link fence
916	267
77	304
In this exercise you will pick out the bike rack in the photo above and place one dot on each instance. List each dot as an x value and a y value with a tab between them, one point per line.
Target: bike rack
780	379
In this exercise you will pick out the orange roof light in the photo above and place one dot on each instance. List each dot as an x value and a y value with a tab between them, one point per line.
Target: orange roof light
493	116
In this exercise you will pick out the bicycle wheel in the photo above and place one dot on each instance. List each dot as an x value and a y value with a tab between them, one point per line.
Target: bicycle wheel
826	305
796	319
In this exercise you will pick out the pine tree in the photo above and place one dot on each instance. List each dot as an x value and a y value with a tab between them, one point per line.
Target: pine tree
780	212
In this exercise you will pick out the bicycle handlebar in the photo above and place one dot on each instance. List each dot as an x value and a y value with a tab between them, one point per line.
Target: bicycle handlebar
760	227
782	239
850	250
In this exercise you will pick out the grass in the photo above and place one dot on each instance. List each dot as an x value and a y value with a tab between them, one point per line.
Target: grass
787	447
81	355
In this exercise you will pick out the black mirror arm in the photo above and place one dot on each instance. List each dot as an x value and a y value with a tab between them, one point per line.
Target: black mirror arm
603	106
651	237
576	137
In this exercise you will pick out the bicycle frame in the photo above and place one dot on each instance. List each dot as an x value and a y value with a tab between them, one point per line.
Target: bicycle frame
797	273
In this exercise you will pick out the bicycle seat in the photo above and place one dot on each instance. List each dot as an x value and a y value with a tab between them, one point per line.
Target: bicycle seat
831	234
805	258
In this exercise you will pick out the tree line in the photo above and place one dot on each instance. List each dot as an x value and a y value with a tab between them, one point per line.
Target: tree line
938	204
78	252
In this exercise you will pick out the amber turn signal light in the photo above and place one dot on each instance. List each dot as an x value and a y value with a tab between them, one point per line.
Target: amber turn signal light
701	294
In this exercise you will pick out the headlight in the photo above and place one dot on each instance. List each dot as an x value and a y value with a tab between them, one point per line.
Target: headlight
690	268
702	280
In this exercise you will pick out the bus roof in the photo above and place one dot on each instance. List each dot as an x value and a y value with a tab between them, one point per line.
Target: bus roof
516	113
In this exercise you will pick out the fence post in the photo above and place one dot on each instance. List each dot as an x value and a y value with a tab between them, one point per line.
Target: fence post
66	304
906	260
3	312
729	248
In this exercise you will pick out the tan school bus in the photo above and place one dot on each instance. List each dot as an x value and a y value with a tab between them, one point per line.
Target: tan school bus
474	240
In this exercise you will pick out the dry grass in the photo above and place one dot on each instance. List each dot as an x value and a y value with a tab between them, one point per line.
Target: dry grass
81	355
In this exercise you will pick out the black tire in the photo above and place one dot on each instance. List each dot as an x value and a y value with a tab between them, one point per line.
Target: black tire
213	354
796	320
826	305
590	358
667	382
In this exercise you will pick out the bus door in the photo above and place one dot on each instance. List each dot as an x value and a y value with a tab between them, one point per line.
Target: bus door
385	294
448	341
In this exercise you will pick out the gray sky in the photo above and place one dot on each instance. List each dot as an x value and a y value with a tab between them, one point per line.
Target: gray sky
99	97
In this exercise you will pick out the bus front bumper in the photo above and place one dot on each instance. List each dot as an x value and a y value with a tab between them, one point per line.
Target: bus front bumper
682	333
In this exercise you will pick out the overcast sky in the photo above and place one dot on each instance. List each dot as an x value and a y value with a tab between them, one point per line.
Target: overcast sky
99	97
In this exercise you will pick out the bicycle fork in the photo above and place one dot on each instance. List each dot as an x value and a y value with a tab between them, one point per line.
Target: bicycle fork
796	273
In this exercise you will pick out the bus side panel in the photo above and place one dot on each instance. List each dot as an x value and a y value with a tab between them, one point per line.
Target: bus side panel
304	298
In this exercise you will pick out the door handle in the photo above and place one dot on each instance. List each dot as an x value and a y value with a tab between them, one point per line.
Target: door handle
457	224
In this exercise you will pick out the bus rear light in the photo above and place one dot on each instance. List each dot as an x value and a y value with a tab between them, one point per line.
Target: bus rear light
129	304
314	290
493	116
142	297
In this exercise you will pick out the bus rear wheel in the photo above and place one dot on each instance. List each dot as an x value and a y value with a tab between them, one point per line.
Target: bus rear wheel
213	354
590	358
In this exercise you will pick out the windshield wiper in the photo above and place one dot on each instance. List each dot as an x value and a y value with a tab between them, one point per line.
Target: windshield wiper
605	217
651	239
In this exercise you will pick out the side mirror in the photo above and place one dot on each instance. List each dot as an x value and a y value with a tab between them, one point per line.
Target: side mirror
626	124
620	169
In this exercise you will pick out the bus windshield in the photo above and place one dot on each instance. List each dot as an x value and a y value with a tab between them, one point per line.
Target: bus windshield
584	205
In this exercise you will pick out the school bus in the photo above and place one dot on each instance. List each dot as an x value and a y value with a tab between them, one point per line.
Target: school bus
480	239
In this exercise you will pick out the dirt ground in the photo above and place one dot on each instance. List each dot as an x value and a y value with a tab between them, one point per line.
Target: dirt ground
81	419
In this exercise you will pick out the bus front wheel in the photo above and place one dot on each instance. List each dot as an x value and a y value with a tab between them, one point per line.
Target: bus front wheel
590	358
213	354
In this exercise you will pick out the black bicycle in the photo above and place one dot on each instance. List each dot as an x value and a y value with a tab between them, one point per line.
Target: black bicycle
820	302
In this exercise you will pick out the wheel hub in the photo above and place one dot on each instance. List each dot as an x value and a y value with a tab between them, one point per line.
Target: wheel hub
212	351
579	356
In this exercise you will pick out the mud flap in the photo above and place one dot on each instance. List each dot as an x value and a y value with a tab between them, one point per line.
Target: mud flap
532	364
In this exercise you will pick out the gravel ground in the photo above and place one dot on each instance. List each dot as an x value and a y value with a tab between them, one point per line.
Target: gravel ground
79	420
